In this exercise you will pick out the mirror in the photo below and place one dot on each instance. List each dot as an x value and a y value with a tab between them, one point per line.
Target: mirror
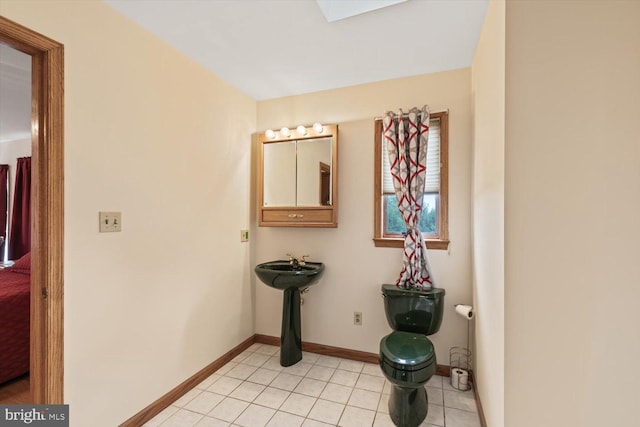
279	160
298	173
298	178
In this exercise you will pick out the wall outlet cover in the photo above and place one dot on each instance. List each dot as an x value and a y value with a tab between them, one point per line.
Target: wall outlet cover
357	318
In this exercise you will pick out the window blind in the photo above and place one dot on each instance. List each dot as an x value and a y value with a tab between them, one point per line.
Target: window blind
432	181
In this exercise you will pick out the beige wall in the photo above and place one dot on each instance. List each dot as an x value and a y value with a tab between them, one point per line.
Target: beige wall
355	269
148	307
488	89
572	209
154	135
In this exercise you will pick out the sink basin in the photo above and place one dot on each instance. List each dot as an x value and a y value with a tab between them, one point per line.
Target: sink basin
290	278
282	275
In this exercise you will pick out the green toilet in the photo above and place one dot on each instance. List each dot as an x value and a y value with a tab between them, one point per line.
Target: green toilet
407	357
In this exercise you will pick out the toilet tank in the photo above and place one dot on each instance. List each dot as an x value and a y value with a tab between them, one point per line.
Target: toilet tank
409	310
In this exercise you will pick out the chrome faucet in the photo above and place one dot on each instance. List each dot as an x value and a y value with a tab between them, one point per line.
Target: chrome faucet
295	262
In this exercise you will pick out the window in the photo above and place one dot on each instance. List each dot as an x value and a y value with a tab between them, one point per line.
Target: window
388	223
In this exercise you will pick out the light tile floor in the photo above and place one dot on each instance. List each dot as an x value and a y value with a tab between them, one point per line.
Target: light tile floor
253	390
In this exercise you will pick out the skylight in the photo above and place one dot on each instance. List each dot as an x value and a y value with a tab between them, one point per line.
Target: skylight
335	10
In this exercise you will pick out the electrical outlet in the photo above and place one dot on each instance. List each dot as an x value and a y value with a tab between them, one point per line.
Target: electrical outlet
110	222
357	318
244	235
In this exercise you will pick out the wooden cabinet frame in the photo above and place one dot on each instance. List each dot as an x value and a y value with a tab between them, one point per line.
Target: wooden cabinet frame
300	216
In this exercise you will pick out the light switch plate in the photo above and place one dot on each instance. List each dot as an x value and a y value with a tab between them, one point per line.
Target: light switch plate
110	222
244	235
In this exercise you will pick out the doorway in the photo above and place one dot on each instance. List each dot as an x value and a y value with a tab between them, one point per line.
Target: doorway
47	209
325	184
15	160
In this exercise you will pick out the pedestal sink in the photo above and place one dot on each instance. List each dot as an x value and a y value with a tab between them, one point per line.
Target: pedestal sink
290	278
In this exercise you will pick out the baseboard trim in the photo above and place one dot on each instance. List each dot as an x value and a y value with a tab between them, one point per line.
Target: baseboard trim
443	370
483	421
344	353
326	350
266	339
165	401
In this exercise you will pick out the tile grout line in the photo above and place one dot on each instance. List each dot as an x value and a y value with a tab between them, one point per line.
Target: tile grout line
360	372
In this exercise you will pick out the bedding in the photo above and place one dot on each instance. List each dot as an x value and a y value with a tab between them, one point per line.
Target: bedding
15	287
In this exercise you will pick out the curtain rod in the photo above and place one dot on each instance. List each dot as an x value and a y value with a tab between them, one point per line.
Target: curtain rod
446	110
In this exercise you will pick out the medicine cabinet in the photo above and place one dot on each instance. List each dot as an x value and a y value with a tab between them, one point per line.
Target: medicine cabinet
298	178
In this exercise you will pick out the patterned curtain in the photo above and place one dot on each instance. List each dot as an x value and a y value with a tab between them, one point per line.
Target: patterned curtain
4	199
20	235
406	136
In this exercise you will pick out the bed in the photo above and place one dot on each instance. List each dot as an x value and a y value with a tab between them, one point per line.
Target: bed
15	287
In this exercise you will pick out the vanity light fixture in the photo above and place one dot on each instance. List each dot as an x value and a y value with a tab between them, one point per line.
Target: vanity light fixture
301	130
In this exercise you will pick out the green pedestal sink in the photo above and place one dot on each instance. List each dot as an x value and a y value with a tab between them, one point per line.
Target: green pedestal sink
290	278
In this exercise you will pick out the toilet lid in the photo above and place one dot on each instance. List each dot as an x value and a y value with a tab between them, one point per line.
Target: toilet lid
407	350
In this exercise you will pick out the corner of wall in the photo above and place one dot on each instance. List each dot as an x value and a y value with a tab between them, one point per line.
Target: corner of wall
488	89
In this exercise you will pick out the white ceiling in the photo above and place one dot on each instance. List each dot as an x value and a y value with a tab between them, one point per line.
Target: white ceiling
275	48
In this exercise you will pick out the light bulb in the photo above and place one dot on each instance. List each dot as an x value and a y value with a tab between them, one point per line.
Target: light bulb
285	131
301	130
270	134
318	127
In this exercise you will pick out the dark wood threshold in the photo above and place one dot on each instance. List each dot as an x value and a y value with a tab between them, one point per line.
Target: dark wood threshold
15	391
165	401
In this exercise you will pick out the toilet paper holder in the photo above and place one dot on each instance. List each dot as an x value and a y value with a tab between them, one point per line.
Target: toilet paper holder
460	361
460	368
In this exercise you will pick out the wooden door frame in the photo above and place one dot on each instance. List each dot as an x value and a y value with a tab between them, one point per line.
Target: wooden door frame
47	208
324	168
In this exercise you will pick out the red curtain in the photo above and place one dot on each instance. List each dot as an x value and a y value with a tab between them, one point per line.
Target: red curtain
20	234
4	197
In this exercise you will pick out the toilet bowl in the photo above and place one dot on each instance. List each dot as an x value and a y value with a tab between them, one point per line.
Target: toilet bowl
407	356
